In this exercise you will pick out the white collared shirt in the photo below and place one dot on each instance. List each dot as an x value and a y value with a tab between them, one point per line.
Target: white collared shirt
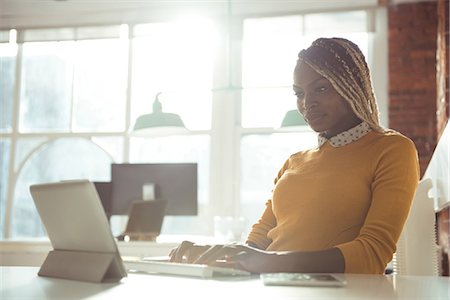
347	137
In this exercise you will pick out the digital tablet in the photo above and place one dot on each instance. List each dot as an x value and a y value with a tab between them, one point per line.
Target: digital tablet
76	224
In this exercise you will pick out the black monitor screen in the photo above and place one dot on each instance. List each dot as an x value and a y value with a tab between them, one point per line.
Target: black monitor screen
174	182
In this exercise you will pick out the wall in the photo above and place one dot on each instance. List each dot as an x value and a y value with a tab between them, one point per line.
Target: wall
442	55
443	220
418	48
412	31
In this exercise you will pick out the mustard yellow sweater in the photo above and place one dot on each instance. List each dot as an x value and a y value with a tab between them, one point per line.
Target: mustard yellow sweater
355	197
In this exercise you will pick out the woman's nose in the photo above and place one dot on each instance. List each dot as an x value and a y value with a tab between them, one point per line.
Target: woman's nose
309	102
301	105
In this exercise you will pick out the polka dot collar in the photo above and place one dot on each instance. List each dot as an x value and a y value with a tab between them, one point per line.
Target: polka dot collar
347	137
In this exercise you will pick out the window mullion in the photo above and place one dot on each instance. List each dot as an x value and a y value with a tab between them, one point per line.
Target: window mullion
224	185
12	150
126	144
74	85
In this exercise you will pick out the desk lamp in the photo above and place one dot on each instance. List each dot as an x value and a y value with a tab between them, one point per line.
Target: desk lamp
293	121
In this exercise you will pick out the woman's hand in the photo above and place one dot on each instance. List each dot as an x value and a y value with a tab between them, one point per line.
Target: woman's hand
254	260
237	256
187	252
231	255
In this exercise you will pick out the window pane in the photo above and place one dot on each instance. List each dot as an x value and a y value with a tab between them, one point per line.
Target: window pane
262	156
359	38
100	85
336	22
7	83
4	36
179	149
24	148
4	180
177	60
113	146
46	99
62	159
270	49
266	107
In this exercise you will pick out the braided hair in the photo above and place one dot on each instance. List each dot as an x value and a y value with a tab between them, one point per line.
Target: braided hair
343	64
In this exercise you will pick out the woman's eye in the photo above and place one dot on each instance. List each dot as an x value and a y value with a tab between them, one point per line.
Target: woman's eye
321	89
299	95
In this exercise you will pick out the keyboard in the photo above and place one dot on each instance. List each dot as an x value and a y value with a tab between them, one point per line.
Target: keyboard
181	269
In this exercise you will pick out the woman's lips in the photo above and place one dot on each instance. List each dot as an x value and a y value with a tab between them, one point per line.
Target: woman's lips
312	117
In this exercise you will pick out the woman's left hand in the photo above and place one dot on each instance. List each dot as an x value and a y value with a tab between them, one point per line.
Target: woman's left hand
235	255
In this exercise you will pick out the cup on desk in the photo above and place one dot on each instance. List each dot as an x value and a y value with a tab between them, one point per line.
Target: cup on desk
228	229
118	224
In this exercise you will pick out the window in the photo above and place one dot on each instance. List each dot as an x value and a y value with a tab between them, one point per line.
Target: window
84	88
98	80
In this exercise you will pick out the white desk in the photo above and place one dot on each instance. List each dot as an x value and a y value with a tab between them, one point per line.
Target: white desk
23	283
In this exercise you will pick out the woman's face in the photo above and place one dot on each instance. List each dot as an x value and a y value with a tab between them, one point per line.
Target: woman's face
320	104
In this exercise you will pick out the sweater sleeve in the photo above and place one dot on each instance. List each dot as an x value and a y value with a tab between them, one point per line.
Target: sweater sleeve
258	235
395	182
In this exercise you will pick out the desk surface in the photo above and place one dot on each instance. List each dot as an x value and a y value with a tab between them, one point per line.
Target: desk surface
23	283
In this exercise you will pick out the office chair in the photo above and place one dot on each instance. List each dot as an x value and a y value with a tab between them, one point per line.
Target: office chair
417	251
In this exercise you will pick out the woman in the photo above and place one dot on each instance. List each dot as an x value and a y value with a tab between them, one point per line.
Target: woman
339	207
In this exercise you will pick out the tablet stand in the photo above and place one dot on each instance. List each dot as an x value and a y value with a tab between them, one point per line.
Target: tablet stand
83	266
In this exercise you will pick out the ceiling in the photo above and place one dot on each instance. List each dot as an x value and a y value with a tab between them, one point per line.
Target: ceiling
51	13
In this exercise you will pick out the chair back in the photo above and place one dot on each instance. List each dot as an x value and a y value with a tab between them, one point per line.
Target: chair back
417	251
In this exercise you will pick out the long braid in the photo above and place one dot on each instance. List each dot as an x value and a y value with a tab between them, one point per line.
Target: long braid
343	64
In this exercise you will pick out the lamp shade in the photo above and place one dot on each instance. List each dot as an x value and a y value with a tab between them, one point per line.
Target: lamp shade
158	122
293	119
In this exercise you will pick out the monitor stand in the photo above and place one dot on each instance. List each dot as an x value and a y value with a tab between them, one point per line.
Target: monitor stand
145	218
143	236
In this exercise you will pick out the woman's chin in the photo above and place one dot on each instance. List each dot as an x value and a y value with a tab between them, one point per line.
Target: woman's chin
317	128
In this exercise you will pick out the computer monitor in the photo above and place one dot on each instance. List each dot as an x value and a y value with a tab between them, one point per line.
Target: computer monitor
175	183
